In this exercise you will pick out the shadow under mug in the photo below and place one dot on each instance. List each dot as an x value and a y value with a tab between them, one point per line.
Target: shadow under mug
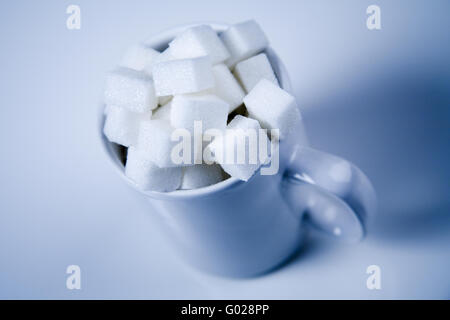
240	229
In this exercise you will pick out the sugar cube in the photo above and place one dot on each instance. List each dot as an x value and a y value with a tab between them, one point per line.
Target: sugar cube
227	87
140	57
155	142
253	69
130	89
197	42
239	150
273	107
148	176
122	125
183	76
209	109
163	112
201	175
243	40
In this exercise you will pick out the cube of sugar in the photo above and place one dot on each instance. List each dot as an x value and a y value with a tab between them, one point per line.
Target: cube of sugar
155	143
209	109
201	175
163	112
273	107
197	42
122	125
239	150
251	70
243	40
140	57
183	76
130	89
227	87
148	176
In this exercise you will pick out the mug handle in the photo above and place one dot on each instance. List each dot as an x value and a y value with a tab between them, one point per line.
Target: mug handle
332	194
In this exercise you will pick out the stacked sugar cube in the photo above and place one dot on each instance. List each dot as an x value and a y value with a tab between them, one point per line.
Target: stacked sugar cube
201	76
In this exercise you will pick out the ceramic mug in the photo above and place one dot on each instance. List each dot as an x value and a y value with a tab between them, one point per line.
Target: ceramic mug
237	228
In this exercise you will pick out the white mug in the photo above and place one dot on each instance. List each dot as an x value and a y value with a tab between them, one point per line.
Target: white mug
240	229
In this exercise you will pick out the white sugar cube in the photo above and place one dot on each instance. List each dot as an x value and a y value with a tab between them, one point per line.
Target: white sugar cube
140	57
243	40
209	109
251	70
201	175
122	125
227	87
130	89
155	143
273	107
197	42
239	150
183	76
148	176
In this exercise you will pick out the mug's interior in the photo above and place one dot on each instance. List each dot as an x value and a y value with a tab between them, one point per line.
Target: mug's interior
118	153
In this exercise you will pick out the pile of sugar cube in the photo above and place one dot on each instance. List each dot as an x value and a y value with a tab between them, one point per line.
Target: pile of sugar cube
223	79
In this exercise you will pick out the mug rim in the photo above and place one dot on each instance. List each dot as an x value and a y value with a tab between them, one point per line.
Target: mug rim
157	41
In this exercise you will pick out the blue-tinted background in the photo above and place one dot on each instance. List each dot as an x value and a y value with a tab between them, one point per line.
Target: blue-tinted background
378	98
